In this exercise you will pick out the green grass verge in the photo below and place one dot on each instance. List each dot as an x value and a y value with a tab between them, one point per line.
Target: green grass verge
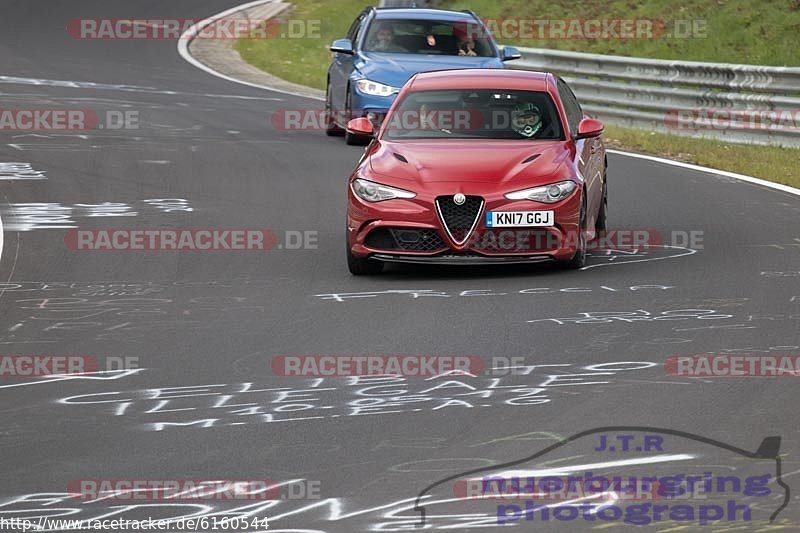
766	162
738	31
731	31
304	60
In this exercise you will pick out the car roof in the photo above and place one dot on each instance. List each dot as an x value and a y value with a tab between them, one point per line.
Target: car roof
477	78
421	14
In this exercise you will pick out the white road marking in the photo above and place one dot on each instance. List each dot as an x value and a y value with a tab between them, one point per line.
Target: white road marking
689	251
16	170
740	177
557	471
127	88
188	35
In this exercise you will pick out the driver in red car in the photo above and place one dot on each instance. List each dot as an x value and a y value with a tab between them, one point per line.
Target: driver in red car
526	120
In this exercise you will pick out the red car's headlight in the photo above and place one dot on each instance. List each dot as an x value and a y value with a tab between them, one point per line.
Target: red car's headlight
375	192
549	194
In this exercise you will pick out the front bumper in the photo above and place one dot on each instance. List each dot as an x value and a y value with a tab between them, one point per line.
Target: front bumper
412	230
362	105
460	259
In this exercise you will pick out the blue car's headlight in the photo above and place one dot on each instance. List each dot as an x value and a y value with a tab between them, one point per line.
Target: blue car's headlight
373	88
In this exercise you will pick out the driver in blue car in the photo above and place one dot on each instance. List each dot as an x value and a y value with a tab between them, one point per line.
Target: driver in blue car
384	40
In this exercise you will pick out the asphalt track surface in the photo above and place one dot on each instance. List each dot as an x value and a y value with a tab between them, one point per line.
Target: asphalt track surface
213	321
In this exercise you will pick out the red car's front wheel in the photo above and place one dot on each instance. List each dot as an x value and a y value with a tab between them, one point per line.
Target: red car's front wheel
362	266
579	259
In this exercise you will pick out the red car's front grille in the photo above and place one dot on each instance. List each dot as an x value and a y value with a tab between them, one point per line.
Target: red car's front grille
459	220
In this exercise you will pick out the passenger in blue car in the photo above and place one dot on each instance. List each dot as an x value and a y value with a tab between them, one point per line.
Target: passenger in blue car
467	47
384	41
466	42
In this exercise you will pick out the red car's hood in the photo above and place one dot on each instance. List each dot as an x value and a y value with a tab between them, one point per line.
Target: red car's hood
501	162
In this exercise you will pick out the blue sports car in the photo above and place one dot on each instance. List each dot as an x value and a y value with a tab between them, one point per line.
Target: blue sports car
386	46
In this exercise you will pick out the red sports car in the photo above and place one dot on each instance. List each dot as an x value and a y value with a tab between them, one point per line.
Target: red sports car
477	166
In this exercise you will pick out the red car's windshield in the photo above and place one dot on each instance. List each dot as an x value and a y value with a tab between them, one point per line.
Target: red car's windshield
475	113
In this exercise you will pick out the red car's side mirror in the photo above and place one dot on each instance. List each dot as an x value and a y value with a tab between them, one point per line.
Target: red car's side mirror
589	127
360	126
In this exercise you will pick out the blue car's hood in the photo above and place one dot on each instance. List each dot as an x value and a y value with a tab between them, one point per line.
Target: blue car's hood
396	69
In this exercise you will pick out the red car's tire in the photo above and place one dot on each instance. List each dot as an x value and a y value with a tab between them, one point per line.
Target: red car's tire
602	217
362	267
579	259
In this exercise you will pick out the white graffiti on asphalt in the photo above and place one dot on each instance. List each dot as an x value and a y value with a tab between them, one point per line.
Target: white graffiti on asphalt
639	315
415	294
237	404
43	215
20	171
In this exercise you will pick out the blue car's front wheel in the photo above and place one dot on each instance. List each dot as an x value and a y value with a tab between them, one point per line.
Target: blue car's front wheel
331	128
349	138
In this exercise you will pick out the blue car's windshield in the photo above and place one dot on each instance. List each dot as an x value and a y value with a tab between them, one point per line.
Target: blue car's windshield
404	36
475	113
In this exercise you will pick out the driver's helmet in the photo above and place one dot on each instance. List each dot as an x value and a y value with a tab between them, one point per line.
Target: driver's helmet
526	119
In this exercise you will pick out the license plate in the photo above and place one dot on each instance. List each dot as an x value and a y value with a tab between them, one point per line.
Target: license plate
506	219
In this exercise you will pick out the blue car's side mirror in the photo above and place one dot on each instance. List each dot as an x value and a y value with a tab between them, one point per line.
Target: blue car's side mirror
509	53
342	46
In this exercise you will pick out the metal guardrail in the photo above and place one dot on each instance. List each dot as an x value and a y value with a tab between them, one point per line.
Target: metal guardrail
409	3
736	103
